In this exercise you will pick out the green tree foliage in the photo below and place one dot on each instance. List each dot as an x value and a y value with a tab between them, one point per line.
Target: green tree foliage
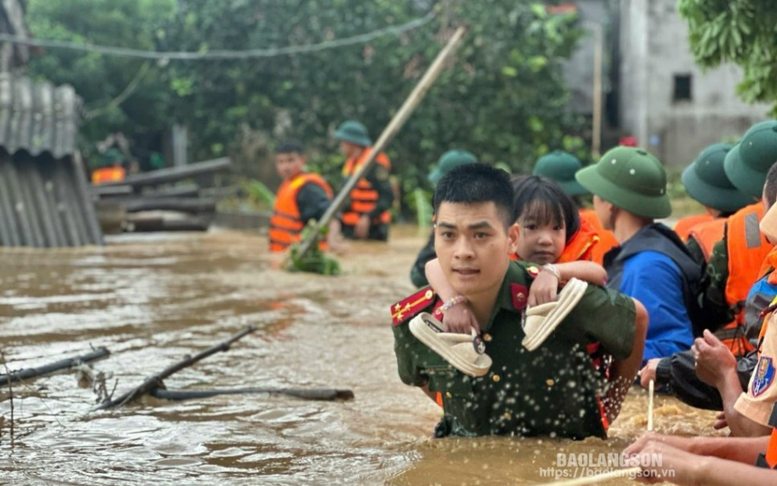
503	97
738	31
99	79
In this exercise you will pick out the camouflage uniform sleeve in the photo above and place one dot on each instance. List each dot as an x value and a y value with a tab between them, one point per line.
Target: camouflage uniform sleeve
715	309
606	316
378	176
409	351
418	272
312	202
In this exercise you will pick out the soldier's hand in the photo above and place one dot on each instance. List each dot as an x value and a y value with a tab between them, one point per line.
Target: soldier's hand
362	228
713	359
648	372
460	319
543	289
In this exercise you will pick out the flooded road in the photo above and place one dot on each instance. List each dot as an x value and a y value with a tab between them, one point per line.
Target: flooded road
153	299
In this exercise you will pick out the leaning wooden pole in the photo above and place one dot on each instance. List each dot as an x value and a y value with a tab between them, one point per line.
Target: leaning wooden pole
52	367
389	132
155	381
325	394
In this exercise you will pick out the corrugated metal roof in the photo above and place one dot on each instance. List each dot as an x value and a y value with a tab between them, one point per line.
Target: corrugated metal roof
37	116
45	203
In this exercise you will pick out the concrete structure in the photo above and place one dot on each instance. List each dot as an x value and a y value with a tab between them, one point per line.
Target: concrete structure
672	106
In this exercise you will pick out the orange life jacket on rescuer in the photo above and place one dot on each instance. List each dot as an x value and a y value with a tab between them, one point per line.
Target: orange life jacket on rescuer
286	223
108	174
363	196
684	225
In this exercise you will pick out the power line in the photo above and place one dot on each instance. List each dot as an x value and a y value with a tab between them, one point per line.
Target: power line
220	54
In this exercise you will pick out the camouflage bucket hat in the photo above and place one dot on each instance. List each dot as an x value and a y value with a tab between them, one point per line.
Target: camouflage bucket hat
561	167
354	132
705	180
631	179
449	161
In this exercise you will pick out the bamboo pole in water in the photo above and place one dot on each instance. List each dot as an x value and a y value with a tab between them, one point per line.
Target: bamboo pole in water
52	367
393	127
155	381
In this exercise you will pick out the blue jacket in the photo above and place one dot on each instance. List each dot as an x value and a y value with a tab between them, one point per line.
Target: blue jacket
654	267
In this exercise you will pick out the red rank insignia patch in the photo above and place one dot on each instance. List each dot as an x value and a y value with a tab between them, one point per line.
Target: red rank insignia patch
406	308
519	293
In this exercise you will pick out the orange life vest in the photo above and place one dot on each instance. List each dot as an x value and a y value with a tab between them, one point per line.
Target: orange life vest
607	240
286	223
732	334
684	225
707	234
108	174
771	450
363	196
582	244
747	249
578	248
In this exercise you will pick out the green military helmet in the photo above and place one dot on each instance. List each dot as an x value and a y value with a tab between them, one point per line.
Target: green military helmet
354	132
449	161
748	180
758	151
561	167
631	179
705	180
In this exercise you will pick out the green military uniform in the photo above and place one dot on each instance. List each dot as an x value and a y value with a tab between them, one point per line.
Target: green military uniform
553	390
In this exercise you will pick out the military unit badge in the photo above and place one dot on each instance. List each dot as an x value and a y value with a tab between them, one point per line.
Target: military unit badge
764	376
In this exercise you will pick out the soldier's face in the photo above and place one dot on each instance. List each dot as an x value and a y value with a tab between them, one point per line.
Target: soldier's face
473	247
289	165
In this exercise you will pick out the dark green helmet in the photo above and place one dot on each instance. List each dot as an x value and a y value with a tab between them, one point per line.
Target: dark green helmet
705	180
561	167
354	132
449	161
631	179
754	155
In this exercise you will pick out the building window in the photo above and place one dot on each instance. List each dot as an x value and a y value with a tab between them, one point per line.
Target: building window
682	87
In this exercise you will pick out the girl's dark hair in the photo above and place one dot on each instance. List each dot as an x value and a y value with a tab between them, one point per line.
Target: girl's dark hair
543	200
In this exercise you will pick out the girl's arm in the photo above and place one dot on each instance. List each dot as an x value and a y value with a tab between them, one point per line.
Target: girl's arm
545	285
590	272
459	318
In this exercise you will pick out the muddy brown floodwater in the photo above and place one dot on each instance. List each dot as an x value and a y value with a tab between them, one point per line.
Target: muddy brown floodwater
153	299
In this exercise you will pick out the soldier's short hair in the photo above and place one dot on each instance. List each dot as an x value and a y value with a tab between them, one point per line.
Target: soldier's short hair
290	147
477	183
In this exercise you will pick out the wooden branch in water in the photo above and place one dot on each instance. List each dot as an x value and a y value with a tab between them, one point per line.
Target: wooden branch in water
52	367
155	381
325	394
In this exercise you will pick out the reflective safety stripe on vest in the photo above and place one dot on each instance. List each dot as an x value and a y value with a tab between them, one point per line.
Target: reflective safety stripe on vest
580	246
707	234
747	249
607	240
684	225
363	196
286	223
